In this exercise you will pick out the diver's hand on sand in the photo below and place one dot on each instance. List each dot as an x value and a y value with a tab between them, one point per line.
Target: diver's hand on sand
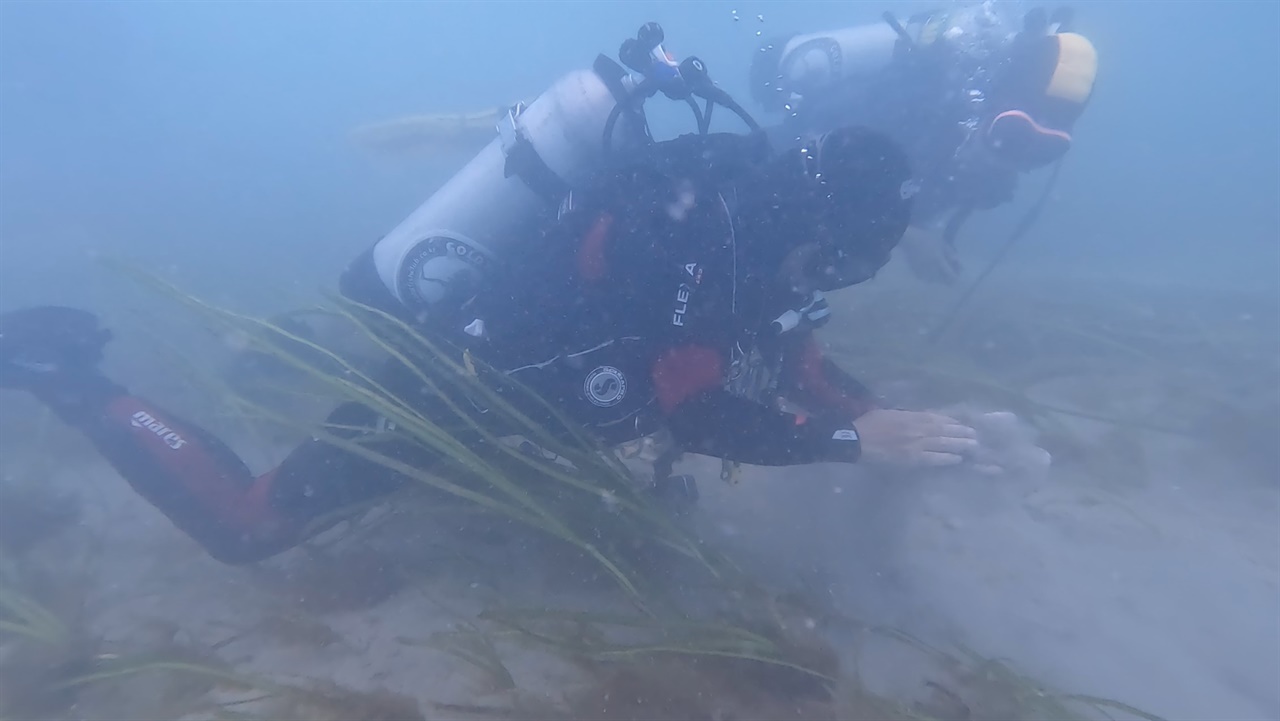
1006	446
913	439
930	257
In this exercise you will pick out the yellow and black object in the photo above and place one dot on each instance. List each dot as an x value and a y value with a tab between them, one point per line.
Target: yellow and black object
1048	83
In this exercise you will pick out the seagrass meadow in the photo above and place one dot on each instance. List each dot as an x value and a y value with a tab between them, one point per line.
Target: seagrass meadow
508	584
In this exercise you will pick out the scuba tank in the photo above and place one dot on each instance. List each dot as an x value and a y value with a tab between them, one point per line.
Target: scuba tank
435	260
790	69
787	70
938	78
821	81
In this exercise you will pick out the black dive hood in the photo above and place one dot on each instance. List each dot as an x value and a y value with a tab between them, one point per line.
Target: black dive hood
847	191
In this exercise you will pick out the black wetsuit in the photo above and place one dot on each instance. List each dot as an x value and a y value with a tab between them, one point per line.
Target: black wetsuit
634	310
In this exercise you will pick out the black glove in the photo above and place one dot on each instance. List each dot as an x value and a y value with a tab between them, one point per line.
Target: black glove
49	345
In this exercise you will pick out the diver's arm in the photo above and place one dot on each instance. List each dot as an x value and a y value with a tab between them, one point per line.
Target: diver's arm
817	383
705	418
719	424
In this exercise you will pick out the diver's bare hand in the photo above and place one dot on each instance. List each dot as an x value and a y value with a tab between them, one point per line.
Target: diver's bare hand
913	439
929	255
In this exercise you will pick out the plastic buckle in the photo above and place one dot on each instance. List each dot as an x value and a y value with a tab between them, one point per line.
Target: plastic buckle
522	159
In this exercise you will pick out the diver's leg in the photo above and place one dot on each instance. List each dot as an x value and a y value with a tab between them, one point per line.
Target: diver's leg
189	475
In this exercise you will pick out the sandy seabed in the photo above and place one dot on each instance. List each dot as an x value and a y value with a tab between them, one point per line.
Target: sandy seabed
1144	568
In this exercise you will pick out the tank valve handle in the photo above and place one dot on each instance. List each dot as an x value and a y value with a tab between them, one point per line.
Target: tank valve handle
645	55
892	20
659	72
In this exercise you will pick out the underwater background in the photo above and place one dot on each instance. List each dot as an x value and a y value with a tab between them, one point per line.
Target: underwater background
1136	327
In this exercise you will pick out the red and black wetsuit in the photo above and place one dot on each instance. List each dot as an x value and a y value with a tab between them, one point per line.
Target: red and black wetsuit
657	317
637	308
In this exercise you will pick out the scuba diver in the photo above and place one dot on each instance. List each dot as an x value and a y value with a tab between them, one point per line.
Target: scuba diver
976	95
663	285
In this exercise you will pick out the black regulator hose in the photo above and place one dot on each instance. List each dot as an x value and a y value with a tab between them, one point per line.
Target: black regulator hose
693	82
1020	230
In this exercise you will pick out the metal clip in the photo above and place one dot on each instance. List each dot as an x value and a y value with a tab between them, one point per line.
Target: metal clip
730	472
509	127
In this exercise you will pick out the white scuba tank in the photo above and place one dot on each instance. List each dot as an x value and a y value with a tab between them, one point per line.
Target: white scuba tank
433	260
806	65
812	63
787	70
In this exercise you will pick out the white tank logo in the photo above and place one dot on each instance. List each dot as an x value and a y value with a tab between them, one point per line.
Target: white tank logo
428	281
605	386
142	419
457	248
